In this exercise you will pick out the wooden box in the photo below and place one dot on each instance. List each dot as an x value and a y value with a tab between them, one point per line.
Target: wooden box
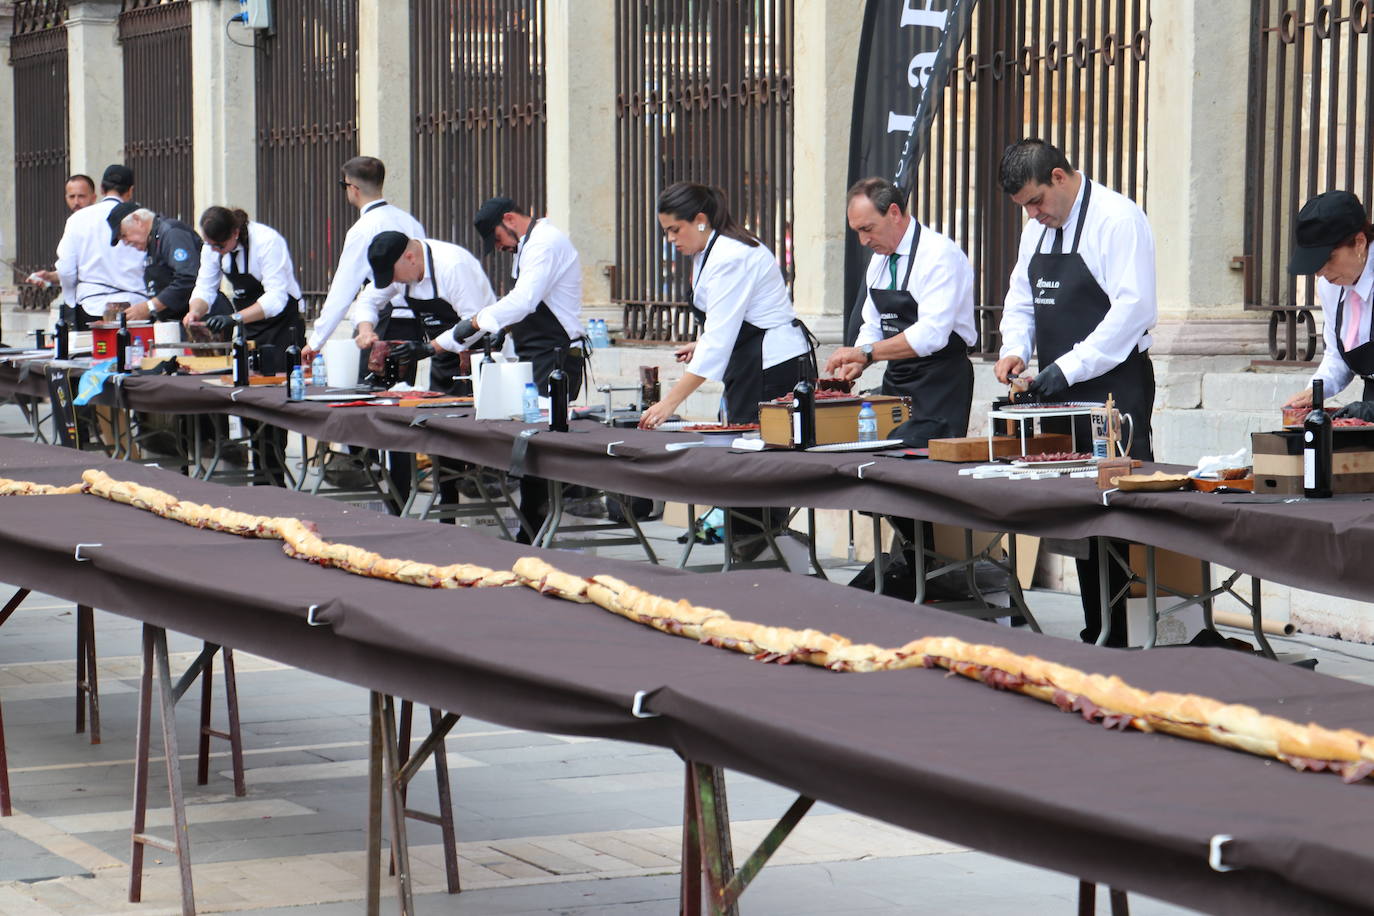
1278	461
837	419
975	448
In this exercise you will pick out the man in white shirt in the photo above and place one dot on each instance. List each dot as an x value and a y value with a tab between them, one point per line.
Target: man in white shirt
92	272
442	283
543	312
363	178
78	192
917	313
1083	292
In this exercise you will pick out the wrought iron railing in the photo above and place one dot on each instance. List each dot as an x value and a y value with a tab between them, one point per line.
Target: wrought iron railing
307	126
477	90
38	53
1309	131
158	121
704	93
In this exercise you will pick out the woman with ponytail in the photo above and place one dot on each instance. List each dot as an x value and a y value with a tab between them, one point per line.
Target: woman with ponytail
750	338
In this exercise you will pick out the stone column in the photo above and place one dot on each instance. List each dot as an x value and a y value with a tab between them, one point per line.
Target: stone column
223	102
1196	166
579	47
95	86
9	226
385	121
827	48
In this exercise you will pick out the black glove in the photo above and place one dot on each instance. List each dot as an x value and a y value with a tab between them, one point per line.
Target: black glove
407	350
220	323
1049	385
1360	410
463	330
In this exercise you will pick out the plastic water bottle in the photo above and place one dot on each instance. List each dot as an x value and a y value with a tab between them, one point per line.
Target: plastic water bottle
603	336
319	373
133	359
868	423
295	384
529	404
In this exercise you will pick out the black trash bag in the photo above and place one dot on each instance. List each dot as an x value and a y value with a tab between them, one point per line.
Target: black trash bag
641	508
899	580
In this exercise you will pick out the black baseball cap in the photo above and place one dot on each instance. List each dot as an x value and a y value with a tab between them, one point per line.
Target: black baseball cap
1324	222
489	217
121	210
386	249
118	176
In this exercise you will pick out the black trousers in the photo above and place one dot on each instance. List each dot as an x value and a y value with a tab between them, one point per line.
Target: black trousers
1089	584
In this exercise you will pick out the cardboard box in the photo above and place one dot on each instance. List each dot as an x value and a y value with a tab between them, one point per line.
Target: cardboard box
1278	461
1172	570
837	419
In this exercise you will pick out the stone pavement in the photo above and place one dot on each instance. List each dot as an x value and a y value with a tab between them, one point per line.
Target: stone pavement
547	824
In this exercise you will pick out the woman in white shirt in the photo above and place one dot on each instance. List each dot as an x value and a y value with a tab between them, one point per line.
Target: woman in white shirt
1333	242
751	339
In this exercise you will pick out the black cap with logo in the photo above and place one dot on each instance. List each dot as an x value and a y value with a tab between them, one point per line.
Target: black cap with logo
489	217
1324	222
386	249
121	210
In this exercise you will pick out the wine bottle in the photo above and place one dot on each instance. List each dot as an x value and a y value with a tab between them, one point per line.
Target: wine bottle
804	410
239	351
122	338
1316	447
558	396
61	335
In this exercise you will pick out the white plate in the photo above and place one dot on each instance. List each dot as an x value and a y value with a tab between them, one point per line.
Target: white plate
340	397
1056	465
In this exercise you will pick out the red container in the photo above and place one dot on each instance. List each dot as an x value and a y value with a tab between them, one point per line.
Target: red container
103	337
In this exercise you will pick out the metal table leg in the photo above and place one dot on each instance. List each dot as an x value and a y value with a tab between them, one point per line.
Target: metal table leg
87	682
1103	592
5	809
234	735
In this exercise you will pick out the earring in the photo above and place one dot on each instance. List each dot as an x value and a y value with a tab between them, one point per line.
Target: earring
701	227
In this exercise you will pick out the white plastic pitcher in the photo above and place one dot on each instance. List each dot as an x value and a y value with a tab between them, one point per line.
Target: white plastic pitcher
341	363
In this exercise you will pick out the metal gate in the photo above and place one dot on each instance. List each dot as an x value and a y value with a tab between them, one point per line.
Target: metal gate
1309	132
477	93
38	53
704	93
156	39
1072	72
307	125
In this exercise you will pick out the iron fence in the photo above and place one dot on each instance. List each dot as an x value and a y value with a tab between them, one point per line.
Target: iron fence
704	93
307	126
38	54
477	93
158	121
1308	132
1072	72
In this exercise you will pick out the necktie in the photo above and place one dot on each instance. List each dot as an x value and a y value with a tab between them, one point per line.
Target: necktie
892	269
1352	325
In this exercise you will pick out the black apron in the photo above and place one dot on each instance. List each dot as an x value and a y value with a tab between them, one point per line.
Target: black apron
1360	360
538	338
272	335
432	318
746	382
1069	304
940	385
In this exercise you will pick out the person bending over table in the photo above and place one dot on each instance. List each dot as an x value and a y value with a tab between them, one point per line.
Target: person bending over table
172	262
917	313
750	338
1083	295
1332	241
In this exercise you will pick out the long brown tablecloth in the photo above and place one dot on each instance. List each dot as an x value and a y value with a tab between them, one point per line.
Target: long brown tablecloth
945	756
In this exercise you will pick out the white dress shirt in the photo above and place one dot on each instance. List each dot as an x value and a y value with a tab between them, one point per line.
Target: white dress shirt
458	280
268	260
546	269
1119	251
376	217
93	272
1334	373
740	283
941	282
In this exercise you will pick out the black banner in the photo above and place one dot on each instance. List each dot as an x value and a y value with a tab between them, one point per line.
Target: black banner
63	411
906	51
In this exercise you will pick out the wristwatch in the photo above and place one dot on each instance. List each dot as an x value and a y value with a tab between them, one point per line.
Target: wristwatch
867	351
